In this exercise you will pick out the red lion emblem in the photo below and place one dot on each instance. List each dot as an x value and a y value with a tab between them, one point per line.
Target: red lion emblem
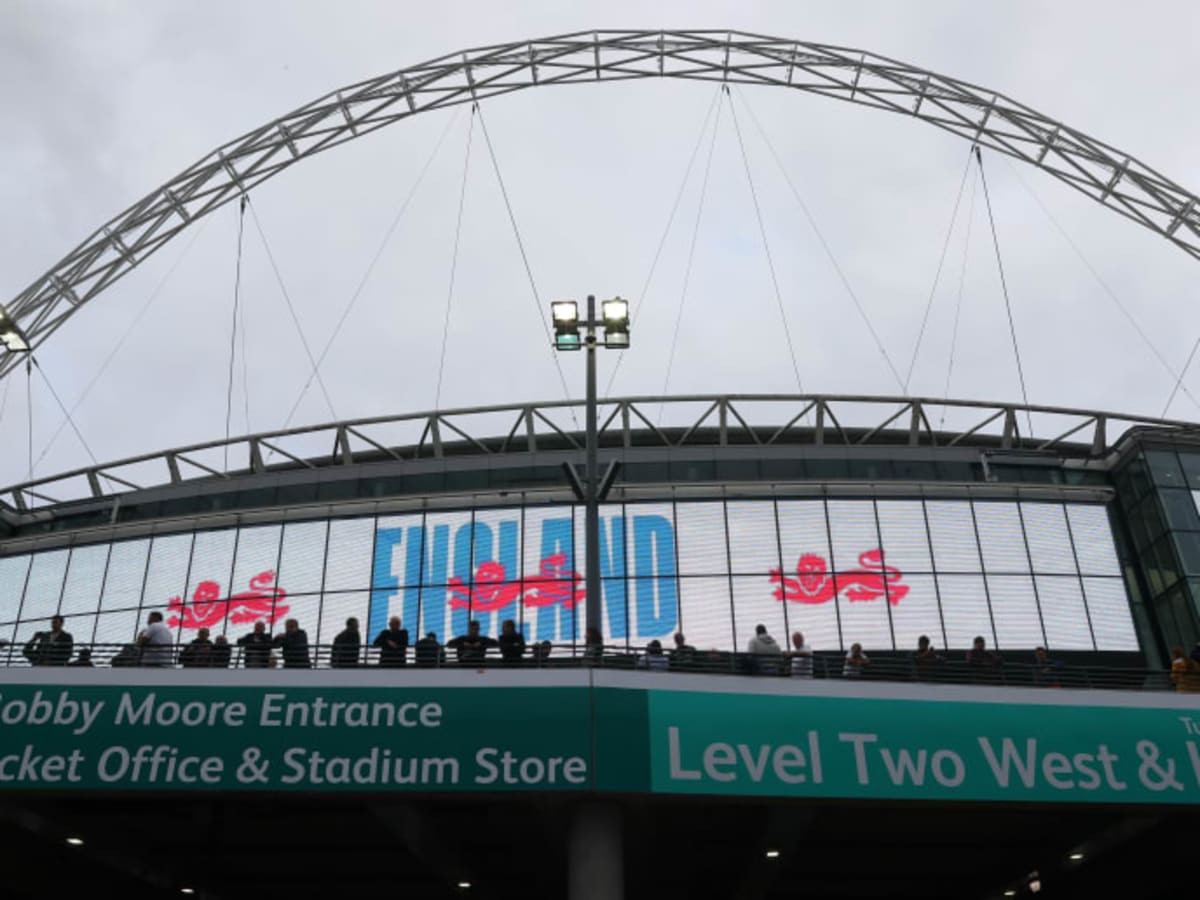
813	584
262	601
491	591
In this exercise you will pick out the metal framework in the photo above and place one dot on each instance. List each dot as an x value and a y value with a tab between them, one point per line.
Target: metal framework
703	420
1115	179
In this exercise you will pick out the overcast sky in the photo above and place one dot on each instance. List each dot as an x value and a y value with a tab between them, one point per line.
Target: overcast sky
102	102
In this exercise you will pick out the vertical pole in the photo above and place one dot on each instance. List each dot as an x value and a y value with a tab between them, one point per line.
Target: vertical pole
592	509
595	855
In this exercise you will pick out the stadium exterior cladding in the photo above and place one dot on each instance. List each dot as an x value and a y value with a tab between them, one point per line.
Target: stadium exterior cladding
851	518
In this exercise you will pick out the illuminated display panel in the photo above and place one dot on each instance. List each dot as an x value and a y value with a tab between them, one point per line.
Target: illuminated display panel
879	572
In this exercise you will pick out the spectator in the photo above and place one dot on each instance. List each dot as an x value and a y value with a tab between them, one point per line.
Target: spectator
129	655
257	644
221	652
1185	672
470	648
653	659
429	652
512	643
764	652
856	663
541	653
392	643
983	664
50	648
198	653
293	645
926	659
1047	672
83	660
346	646
157	642
802	657
683	657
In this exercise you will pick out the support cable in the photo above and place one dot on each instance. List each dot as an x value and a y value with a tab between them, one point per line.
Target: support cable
1104	286
291	311
812	222
462	200
687	272
29	410
537	300
237	289
54	394
762	230
962	277
938	274
387	236
1012	329
639	301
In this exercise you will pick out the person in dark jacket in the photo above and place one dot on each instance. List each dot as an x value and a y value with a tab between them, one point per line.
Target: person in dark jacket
129	655
346	646
198	653
50	648
294	645
471	647
512	643
83	660
392	643
221	652
429	652
257	647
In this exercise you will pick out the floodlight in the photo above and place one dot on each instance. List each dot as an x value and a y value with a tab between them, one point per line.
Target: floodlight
615	313
772	854
10	335
565	314
75	842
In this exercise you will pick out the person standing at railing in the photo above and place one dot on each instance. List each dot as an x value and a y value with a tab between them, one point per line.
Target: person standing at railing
221	652
50	648
256	652
801	656
1185	672
83	660
857	663
346	646
472	647
512	643
926	660
683	657
653	659
764	652
293	644
198	653
983	664
393	644
1047	672
429	652
157	642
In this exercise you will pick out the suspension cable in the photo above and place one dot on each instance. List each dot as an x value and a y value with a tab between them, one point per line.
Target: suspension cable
687	273
938	274
536	297
762	230
962	277
1012	328
291	309
237	288
362	283
462	200
54	394
639	301
29	410
812	222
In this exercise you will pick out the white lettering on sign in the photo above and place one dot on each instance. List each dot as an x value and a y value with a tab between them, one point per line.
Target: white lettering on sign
729	763
1057	769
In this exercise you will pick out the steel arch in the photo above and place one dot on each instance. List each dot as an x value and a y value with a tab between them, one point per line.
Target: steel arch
1113	178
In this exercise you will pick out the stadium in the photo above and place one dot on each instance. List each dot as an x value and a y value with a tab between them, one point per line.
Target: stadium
851	519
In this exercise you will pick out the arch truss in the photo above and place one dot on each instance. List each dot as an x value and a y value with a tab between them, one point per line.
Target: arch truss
1114	179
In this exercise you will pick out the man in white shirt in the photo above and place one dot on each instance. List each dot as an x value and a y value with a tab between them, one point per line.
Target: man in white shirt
156	642
802	657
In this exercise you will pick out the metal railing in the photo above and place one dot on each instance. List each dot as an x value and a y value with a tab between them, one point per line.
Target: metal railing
944	670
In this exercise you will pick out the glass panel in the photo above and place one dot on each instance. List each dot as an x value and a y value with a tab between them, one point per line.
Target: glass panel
1093	539
1164	468
707	620
396	573
1188	544
1063	613
212	563
335	610
45	585
116	628
81	628
13	570
1049	541
700	536
257	555
1015	612
126	571
753	543
549	538
1109	609
495	589
1000	538
302	559
167	575
916	613
864	612
902	529
802	533
1191	468
953	536
85	577
753	605
620	620
965	611
852	527
348	566
1180	509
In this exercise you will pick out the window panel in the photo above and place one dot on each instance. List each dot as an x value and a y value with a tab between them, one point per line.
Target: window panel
335	610
1109	609
45	585
1000	539
953	536
802	532
167	574
1063	613
1049	541
916	613
302	558
700	534
852	528
619	622
396	572
902	532
754	605
348	564
864	621
13	570
85	578
126	572
1164	468
707	618
964	610
257	553
212	563
1093	539
495	589
550	541
81	628
1015	612
116	628
753	542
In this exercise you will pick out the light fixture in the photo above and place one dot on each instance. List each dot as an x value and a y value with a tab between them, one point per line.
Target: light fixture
10	335
75	842
1010	893
187	890
565	315
615	314
772	854
1076	857
1035	886
464	885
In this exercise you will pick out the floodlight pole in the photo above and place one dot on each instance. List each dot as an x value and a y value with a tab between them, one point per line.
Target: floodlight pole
592	483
